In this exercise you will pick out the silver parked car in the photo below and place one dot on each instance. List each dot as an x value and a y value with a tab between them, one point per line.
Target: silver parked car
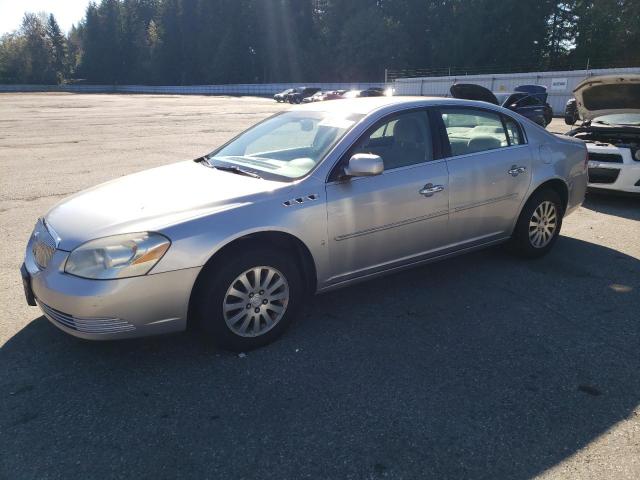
309	200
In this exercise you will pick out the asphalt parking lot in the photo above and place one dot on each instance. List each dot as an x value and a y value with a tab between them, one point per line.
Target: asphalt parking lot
484	366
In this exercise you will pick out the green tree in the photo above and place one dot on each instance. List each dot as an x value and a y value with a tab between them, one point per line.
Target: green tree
607	31
58	41
38	51
229	41
12	58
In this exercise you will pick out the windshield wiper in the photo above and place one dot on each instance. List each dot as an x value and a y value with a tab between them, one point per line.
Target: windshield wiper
237	170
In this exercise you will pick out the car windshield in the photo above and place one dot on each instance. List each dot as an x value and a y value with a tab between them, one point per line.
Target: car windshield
286	146
619	119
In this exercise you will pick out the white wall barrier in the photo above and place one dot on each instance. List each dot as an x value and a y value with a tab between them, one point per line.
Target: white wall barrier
237	89
560	85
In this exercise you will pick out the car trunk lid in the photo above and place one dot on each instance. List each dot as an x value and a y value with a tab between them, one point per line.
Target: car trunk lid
470	91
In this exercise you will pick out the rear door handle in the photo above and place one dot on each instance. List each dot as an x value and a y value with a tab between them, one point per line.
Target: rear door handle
516	170
430	189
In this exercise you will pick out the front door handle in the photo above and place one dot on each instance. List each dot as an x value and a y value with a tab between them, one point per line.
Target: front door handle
516	170
430	189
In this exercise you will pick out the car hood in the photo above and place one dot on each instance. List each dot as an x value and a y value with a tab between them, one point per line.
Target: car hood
597	96
471	91
152	200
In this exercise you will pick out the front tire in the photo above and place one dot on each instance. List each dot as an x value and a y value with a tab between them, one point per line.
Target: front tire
249	300
539	224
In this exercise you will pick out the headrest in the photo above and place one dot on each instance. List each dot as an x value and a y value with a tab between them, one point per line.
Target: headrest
480	129
481	143
407	130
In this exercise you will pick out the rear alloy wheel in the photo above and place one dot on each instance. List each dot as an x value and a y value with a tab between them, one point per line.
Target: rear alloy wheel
539	224
248	299
543	224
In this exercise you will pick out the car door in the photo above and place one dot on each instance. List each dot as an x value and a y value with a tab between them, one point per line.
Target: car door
381	222
489	173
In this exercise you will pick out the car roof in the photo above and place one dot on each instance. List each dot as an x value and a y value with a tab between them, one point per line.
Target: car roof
368	105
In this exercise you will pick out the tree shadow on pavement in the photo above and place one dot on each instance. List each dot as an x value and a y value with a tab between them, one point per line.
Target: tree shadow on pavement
483	366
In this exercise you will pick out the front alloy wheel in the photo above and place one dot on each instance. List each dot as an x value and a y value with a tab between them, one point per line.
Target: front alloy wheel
246	299
256	301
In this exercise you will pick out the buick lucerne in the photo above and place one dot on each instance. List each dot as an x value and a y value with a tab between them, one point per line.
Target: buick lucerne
312	199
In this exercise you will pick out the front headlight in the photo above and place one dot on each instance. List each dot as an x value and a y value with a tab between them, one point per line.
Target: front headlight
120	256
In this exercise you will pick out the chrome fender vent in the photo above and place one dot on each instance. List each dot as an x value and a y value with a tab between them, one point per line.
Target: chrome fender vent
300	200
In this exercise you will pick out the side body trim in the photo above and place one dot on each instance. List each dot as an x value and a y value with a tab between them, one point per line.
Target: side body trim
391	225
485	202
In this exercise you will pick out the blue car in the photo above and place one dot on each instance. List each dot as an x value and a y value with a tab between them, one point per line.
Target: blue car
528	100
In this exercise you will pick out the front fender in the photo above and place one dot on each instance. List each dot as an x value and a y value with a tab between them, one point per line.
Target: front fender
196	241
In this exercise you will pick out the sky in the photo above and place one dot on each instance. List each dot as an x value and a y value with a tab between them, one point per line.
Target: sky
67	12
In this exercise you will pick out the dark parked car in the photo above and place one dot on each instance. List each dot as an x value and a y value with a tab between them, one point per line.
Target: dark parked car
334	95
372	92
298	96
282	96
527	100
571	115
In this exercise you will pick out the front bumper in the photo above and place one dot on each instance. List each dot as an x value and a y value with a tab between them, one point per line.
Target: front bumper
109	309
620	176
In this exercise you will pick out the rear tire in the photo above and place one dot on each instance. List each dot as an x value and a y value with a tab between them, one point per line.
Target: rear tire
249	300
539	225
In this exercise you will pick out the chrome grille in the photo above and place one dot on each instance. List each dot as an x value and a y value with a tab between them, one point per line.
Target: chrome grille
43	245
99	326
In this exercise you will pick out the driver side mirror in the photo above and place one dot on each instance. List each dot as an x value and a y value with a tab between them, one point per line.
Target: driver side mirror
364	165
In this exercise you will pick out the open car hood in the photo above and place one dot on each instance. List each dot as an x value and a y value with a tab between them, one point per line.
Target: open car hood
597	96
471	91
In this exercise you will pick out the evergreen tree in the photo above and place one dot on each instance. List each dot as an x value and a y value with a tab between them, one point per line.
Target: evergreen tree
38	57
238	41
12	58
58	49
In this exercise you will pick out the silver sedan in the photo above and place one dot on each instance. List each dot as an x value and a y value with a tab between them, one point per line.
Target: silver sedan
313	199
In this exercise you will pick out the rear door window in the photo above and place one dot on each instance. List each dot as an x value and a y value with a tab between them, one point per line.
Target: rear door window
473	131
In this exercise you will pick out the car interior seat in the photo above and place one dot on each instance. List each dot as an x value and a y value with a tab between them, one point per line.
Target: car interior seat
409	144
481	143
